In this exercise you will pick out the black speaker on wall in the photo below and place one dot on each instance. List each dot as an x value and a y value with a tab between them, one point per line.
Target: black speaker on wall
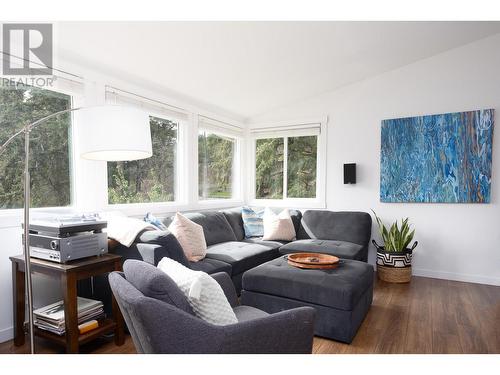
350	173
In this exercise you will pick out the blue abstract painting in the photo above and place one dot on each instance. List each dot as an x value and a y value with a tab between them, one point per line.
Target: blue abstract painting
437	159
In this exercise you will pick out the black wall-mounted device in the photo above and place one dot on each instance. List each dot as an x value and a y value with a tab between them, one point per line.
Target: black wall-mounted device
350	173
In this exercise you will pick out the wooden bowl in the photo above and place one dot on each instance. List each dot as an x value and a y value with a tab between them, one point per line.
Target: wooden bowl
313	261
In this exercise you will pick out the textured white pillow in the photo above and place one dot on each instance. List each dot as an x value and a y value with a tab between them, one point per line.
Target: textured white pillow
203	293
190	236
278	227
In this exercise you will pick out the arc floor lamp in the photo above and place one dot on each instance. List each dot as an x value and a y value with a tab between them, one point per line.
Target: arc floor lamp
112	133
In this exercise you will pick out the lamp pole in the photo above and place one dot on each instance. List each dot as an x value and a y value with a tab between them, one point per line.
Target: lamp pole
27	203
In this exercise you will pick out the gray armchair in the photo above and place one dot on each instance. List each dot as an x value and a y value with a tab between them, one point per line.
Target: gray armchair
161	320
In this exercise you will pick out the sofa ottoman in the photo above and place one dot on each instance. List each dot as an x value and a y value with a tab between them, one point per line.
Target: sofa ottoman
341	296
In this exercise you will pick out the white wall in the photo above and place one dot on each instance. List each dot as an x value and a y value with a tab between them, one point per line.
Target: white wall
456	241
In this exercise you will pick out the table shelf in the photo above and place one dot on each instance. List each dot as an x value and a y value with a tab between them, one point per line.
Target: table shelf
105	326
68	275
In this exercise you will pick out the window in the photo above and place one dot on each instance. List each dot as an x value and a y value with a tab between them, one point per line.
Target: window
152	179
50	163
269	168
215	165
301	167
286	167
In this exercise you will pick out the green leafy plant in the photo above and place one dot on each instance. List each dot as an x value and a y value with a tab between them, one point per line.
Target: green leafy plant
396	238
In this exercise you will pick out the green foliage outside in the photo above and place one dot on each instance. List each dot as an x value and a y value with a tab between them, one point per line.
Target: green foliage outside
215	166
301	167
49	159
269	156
147	180
302	155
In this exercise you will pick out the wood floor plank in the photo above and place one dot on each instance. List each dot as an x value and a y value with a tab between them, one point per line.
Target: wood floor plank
472	340
325	346
443	308
418	338
446	343
393	334
425	316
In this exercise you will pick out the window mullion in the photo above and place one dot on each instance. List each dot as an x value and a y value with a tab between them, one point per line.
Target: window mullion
285	167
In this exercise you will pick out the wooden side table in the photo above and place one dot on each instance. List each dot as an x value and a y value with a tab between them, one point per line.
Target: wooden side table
68	274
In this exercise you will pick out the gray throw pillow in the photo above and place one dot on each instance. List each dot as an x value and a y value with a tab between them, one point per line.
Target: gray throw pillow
154	283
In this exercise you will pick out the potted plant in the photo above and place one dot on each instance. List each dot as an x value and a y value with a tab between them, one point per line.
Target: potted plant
394	257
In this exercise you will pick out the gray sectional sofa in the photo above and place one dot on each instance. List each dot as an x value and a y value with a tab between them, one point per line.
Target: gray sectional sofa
344	234
341	297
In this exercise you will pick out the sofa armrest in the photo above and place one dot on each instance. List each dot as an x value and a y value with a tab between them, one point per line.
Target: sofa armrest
286	332
158	237
227	286
148	241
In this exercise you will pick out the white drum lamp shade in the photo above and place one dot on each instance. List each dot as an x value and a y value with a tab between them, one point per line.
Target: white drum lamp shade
115	133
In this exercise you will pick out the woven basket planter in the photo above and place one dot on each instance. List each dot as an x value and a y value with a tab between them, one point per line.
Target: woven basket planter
394	267
394	274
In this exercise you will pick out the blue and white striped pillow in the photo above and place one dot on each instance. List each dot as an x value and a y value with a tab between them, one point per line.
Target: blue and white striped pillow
252	222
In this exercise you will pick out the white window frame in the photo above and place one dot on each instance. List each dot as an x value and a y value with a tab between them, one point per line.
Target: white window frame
286	130
229	131
72	87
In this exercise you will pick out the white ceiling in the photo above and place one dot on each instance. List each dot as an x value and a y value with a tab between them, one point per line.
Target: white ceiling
247	68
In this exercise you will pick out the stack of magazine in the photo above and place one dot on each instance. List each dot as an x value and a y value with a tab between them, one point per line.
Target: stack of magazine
51	317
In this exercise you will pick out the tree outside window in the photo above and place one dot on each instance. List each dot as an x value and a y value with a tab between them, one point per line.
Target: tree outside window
215	166
302	158
300	154
147	180
269	156
50	165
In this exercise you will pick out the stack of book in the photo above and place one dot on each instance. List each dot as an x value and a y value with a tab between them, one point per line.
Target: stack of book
51	317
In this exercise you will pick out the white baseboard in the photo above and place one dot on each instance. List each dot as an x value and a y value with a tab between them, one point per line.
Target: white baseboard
6	334
477	279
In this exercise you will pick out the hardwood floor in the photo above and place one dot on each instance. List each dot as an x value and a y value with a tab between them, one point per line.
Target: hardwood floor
425	316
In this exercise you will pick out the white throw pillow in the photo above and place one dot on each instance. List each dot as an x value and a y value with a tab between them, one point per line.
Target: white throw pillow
278	227
203	293
190	236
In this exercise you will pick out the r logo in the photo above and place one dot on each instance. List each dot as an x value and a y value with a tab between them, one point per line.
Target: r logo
30	42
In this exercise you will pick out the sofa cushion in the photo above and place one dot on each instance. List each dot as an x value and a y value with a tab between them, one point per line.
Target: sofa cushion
353	227
340	288
241	255
246	313
210	266
234	219
341	249
170	247
260	241
215	226
154	283
296	216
